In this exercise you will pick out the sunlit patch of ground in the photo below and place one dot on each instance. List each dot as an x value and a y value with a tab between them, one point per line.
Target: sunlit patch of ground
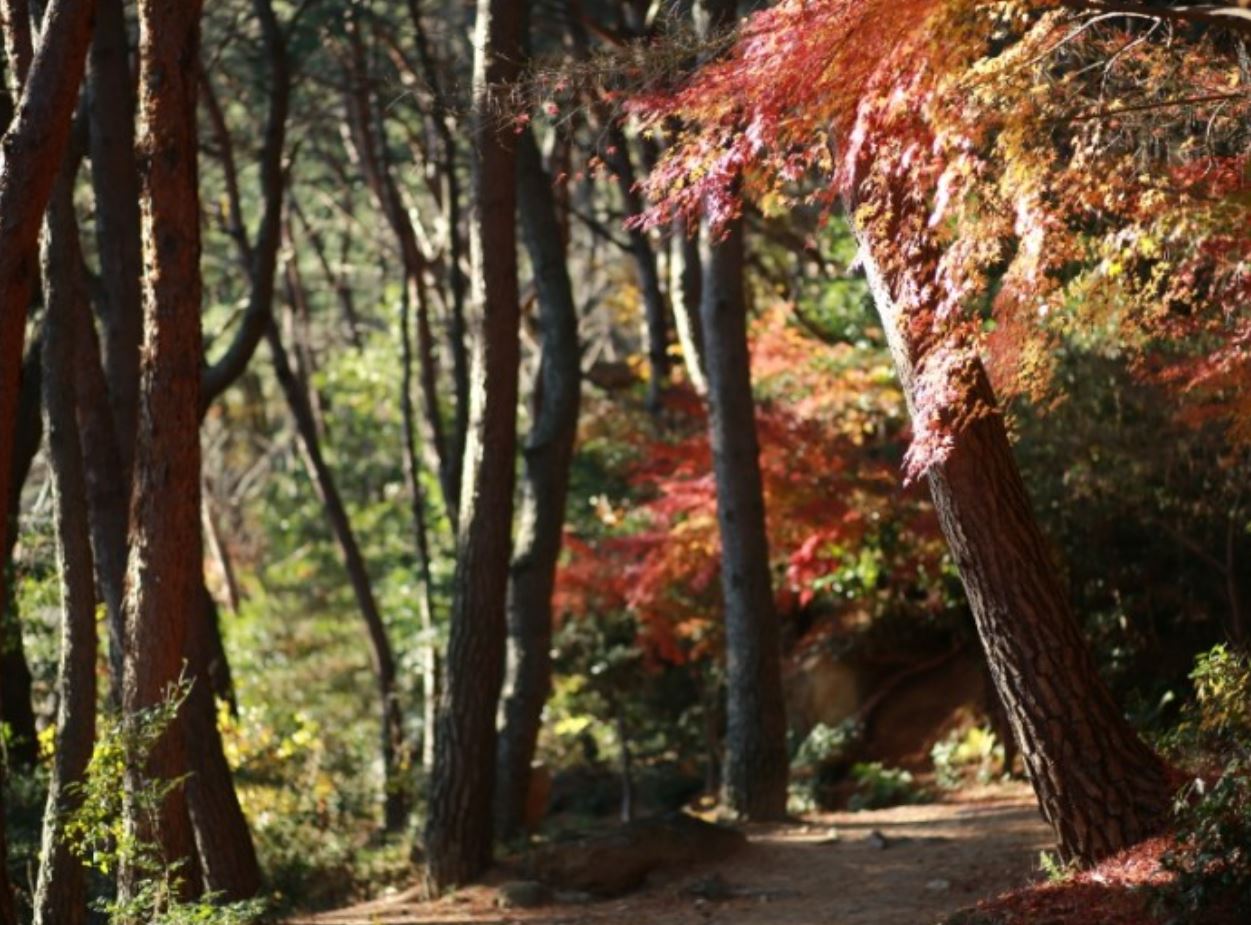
908	865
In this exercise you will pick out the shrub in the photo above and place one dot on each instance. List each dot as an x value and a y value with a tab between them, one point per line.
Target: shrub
878	787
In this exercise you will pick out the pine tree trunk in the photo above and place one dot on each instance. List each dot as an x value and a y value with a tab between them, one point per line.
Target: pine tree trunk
392	724
459	831
754	774
115	183
108	498
61	892
228	860
1098	785
548	455
16	705
166	545
34	145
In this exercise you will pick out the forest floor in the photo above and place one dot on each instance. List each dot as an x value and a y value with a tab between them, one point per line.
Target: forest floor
908	865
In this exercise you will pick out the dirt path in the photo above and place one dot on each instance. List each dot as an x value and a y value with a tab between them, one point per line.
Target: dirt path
908	865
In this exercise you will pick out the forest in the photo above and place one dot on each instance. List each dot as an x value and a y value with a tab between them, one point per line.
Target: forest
625	461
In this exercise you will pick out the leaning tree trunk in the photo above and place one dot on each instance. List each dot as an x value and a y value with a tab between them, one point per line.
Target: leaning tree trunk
223	840
548	455
392	721
459	831
61	892
16	705
1098	785
754	771
166	561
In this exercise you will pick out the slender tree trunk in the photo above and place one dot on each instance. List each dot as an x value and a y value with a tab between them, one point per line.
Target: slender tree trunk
166	546
108	497
754	773
1098	785
443	119
548	454
421	534
227	856
115	183
459	831
393	745
655	312
61	892
16	705
685	285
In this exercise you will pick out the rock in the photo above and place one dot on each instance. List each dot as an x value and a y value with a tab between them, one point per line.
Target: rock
877	840
522	894
620	860
938	885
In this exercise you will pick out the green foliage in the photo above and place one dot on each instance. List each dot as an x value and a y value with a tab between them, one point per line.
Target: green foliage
878	787
1055	870
972	754
1212	856
826	745
100	836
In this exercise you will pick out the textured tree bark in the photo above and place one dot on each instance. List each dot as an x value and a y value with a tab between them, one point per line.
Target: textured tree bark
228	860
16	704
1098	785
459	831
164	572
548	454
754	771
115	183
392	728
61	890
32	150
33	146
108	494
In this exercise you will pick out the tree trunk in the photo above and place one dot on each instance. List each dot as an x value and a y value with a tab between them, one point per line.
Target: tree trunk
115	183
548	455
685	285
33	147
166	546
459	832
1098	785
655	313
61	892
227	856
754	772
108	495
16	705
421	536
392	728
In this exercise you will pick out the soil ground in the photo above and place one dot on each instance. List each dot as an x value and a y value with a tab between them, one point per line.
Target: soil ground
909	865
